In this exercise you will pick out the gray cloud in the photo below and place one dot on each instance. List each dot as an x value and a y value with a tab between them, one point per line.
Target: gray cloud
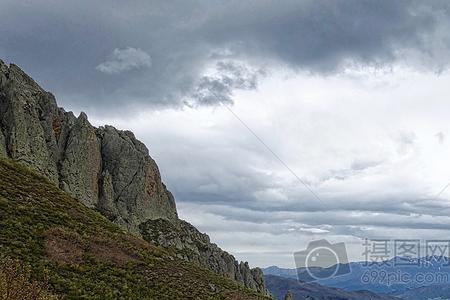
324	36
60	44
219	87
126	59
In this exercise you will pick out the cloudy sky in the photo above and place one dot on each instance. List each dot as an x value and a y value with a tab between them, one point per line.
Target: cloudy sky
274	123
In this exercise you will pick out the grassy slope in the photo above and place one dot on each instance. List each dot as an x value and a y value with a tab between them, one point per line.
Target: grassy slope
88	257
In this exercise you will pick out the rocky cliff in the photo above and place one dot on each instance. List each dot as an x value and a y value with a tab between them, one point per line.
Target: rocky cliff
194	246
105	168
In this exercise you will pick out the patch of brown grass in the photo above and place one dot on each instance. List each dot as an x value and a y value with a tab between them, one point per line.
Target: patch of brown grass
109	251
68	248
63	247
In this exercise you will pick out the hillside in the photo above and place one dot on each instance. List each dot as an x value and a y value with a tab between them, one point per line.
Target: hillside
87	256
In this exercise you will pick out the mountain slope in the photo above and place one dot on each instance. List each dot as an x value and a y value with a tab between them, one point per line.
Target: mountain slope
279	286
87	256
105	168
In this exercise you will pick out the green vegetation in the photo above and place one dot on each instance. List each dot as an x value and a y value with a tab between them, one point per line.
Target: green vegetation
85	256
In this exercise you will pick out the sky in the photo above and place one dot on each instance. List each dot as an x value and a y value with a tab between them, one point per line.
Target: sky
273	123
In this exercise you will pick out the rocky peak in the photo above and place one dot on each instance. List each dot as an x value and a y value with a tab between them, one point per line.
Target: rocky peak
25	109
80	163
105	168
131	180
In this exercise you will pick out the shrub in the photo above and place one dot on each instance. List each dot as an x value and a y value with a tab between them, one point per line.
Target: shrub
16	283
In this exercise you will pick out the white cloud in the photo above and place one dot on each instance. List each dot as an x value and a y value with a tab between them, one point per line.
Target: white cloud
366	143
126	59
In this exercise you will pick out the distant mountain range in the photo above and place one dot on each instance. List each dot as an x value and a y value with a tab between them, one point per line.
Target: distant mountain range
279	286
425	278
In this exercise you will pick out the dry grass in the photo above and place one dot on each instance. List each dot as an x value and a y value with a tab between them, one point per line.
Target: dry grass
108	251
68	248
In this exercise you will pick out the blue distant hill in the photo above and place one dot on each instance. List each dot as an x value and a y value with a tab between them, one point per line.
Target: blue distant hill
408	278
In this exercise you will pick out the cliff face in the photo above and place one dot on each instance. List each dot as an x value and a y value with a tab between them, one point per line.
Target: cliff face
104	168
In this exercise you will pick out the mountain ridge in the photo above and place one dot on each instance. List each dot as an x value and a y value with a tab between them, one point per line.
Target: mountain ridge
381	277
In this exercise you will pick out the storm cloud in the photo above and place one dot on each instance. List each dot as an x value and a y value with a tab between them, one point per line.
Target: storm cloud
76	45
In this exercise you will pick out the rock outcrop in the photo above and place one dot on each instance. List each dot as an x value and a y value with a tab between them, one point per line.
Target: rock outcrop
194	246
131	180
106	169
103	167
25	110
81	161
